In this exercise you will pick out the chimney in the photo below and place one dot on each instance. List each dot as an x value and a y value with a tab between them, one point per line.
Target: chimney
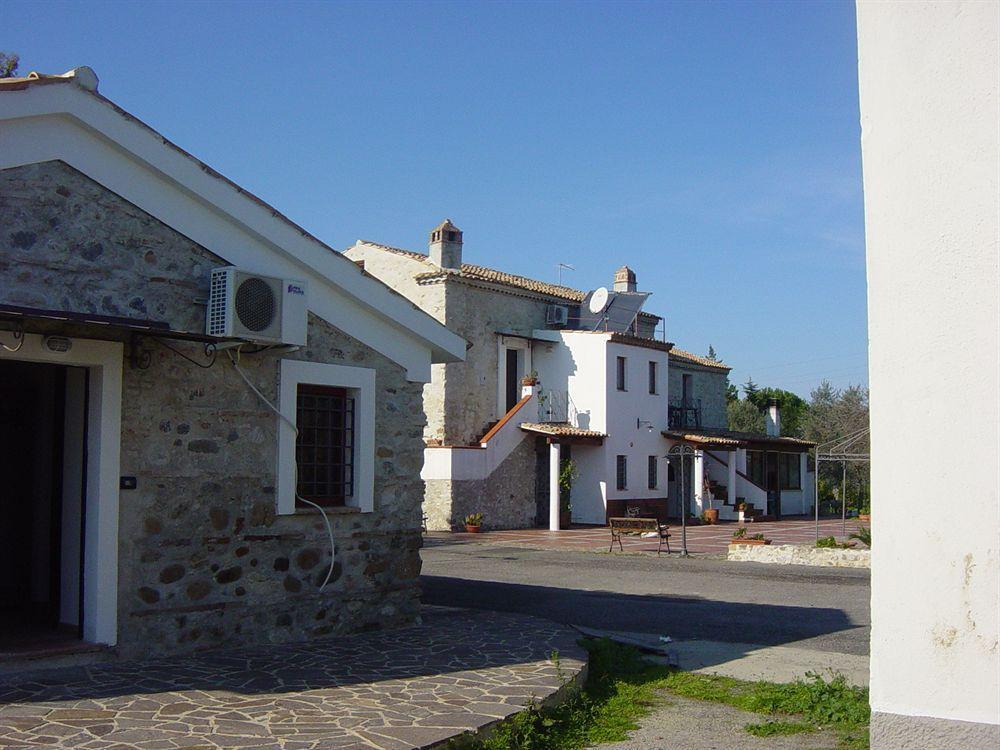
773	418
625	280
446	245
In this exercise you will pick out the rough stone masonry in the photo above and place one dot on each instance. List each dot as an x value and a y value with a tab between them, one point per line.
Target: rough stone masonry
203	559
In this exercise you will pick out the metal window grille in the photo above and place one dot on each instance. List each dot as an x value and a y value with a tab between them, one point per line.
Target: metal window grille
653	478
622	472
324	449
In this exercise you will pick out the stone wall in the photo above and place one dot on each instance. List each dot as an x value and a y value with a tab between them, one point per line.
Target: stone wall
398	272
506	499
707	385
203	559
477	314
800	554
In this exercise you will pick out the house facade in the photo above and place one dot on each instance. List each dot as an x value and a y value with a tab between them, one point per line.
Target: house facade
552	376
175	488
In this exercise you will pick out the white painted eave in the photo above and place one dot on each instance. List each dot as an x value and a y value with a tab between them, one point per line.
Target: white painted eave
64	121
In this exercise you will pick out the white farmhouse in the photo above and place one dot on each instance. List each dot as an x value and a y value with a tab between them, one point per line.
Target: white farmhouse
554	375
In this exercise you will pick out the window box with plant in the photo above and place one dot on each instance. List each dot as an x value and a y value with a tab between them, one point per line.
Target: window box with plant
740	536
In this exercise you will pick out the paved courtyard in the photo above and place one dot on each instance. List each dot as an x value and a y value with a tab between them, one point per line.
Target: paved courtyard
700	539
456	671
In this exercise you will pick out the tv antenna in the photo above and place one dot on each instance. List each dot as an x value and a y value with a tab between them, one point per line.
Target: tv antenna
561	266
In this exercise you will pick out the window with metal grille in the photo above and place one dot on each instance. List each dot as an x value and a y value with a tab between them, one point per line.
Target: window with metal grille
621	374
324	448
653	478
622	472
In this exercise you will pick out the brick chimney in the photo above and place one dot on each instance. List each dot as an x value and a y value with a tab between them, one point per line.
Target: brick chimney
446	245
625	280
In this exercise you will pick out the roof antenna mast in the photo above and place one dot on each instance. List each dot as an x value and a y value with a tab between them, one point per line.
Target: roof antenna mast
561	266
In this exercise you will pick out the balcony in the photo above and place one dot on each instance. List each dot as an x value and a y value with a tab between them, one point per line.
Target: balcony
684	413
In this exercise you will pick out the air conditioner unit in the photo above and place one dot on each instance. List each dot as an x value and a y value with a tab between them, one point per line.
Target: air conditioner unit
556	315
256	308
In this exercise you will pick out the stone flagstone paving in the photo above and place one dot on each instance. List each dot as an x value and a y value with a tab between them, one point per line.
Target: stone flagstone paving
407	688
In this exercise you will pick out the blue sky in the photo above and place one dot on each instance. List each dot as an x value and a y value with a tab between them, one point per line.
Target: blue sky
714	147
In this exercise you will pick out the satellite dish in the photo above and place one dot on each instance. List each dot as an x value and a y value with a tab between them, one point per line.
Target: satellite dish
598	300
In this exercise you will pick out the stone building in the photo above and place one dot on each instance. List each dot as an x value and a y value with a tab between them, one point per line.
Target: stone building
156	500
553	375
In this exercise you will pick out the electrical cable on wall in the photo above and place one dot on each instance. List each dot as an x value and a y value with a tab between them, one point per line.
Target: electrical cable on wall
19	337
235	359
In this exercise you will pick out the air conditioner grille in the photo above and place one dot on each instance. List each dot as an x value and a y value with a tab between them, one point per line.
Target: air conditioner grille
255	304
217	304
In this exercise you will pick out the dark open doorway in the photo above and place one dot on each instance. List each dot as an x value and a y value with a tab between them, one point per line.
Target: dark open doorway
513	379
42	439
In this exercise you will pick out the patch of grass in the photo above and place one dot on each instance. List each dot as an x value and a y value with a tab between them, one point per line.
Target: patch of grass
622	687
817	702
772	728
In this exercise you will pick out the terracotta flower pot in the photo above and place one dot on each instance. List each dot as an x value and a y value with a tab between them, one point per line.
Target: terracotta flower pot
864	517
712	516
472	529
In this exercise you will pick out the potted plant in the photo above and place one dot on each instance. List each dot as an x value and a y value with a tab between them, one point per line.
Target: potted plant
474	523
866	512
530	379
710	516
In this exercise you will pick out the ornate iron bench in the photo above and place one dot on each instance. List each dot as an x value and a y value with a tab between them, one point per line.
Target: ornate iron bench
638	526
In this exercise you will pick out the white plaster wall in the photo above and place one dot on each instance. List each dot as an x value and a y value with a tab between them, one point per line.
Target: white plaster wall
624	408
928	86
575	363
590	489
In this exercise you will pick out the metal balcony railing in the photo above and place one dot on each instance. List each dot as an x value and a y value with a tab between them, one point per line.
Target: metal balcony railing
684	413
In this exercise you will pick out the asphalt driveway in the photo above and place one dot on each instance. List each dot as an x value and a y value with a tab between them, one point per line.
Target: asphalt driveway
819	609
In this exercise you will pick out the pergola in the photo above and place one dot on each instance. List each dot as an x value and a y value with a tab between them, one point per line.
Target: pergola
842	450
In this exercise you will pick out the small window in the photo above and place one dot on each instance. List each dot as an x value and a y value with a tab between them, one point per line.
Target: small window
652	377
755	467
324	448
621	472
621	374
788	467
653	479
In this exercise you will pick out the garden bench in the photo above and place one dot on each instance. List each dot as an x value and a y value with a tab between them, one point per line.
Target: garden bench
633	525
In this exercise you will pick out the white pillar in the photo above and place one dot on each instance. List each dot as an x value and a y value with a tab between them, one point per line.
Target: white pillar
741	460
807	486
554	454
699	480
732	479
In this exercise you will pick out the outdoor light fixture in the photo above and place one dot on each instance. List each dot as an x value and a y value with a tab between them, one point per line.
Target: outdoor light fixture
640	422
58	344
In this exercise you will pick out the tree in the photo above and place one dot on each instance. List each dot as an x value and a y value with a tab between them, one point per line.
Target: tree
793	408
732	392
8	64
837	415
750	389
711	354
744	416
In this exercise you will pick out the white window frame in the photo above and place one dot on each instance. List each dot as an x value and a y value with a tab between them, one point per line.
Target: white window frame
360	385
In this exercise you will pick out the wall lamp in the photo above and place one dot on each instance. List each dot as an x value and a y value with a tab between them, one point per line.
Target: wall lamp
640	422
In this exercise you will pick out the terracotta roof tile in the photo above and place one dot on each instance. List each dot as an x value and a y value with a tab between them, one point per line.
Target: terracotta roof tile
707	436
560	429
473	272
680	354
